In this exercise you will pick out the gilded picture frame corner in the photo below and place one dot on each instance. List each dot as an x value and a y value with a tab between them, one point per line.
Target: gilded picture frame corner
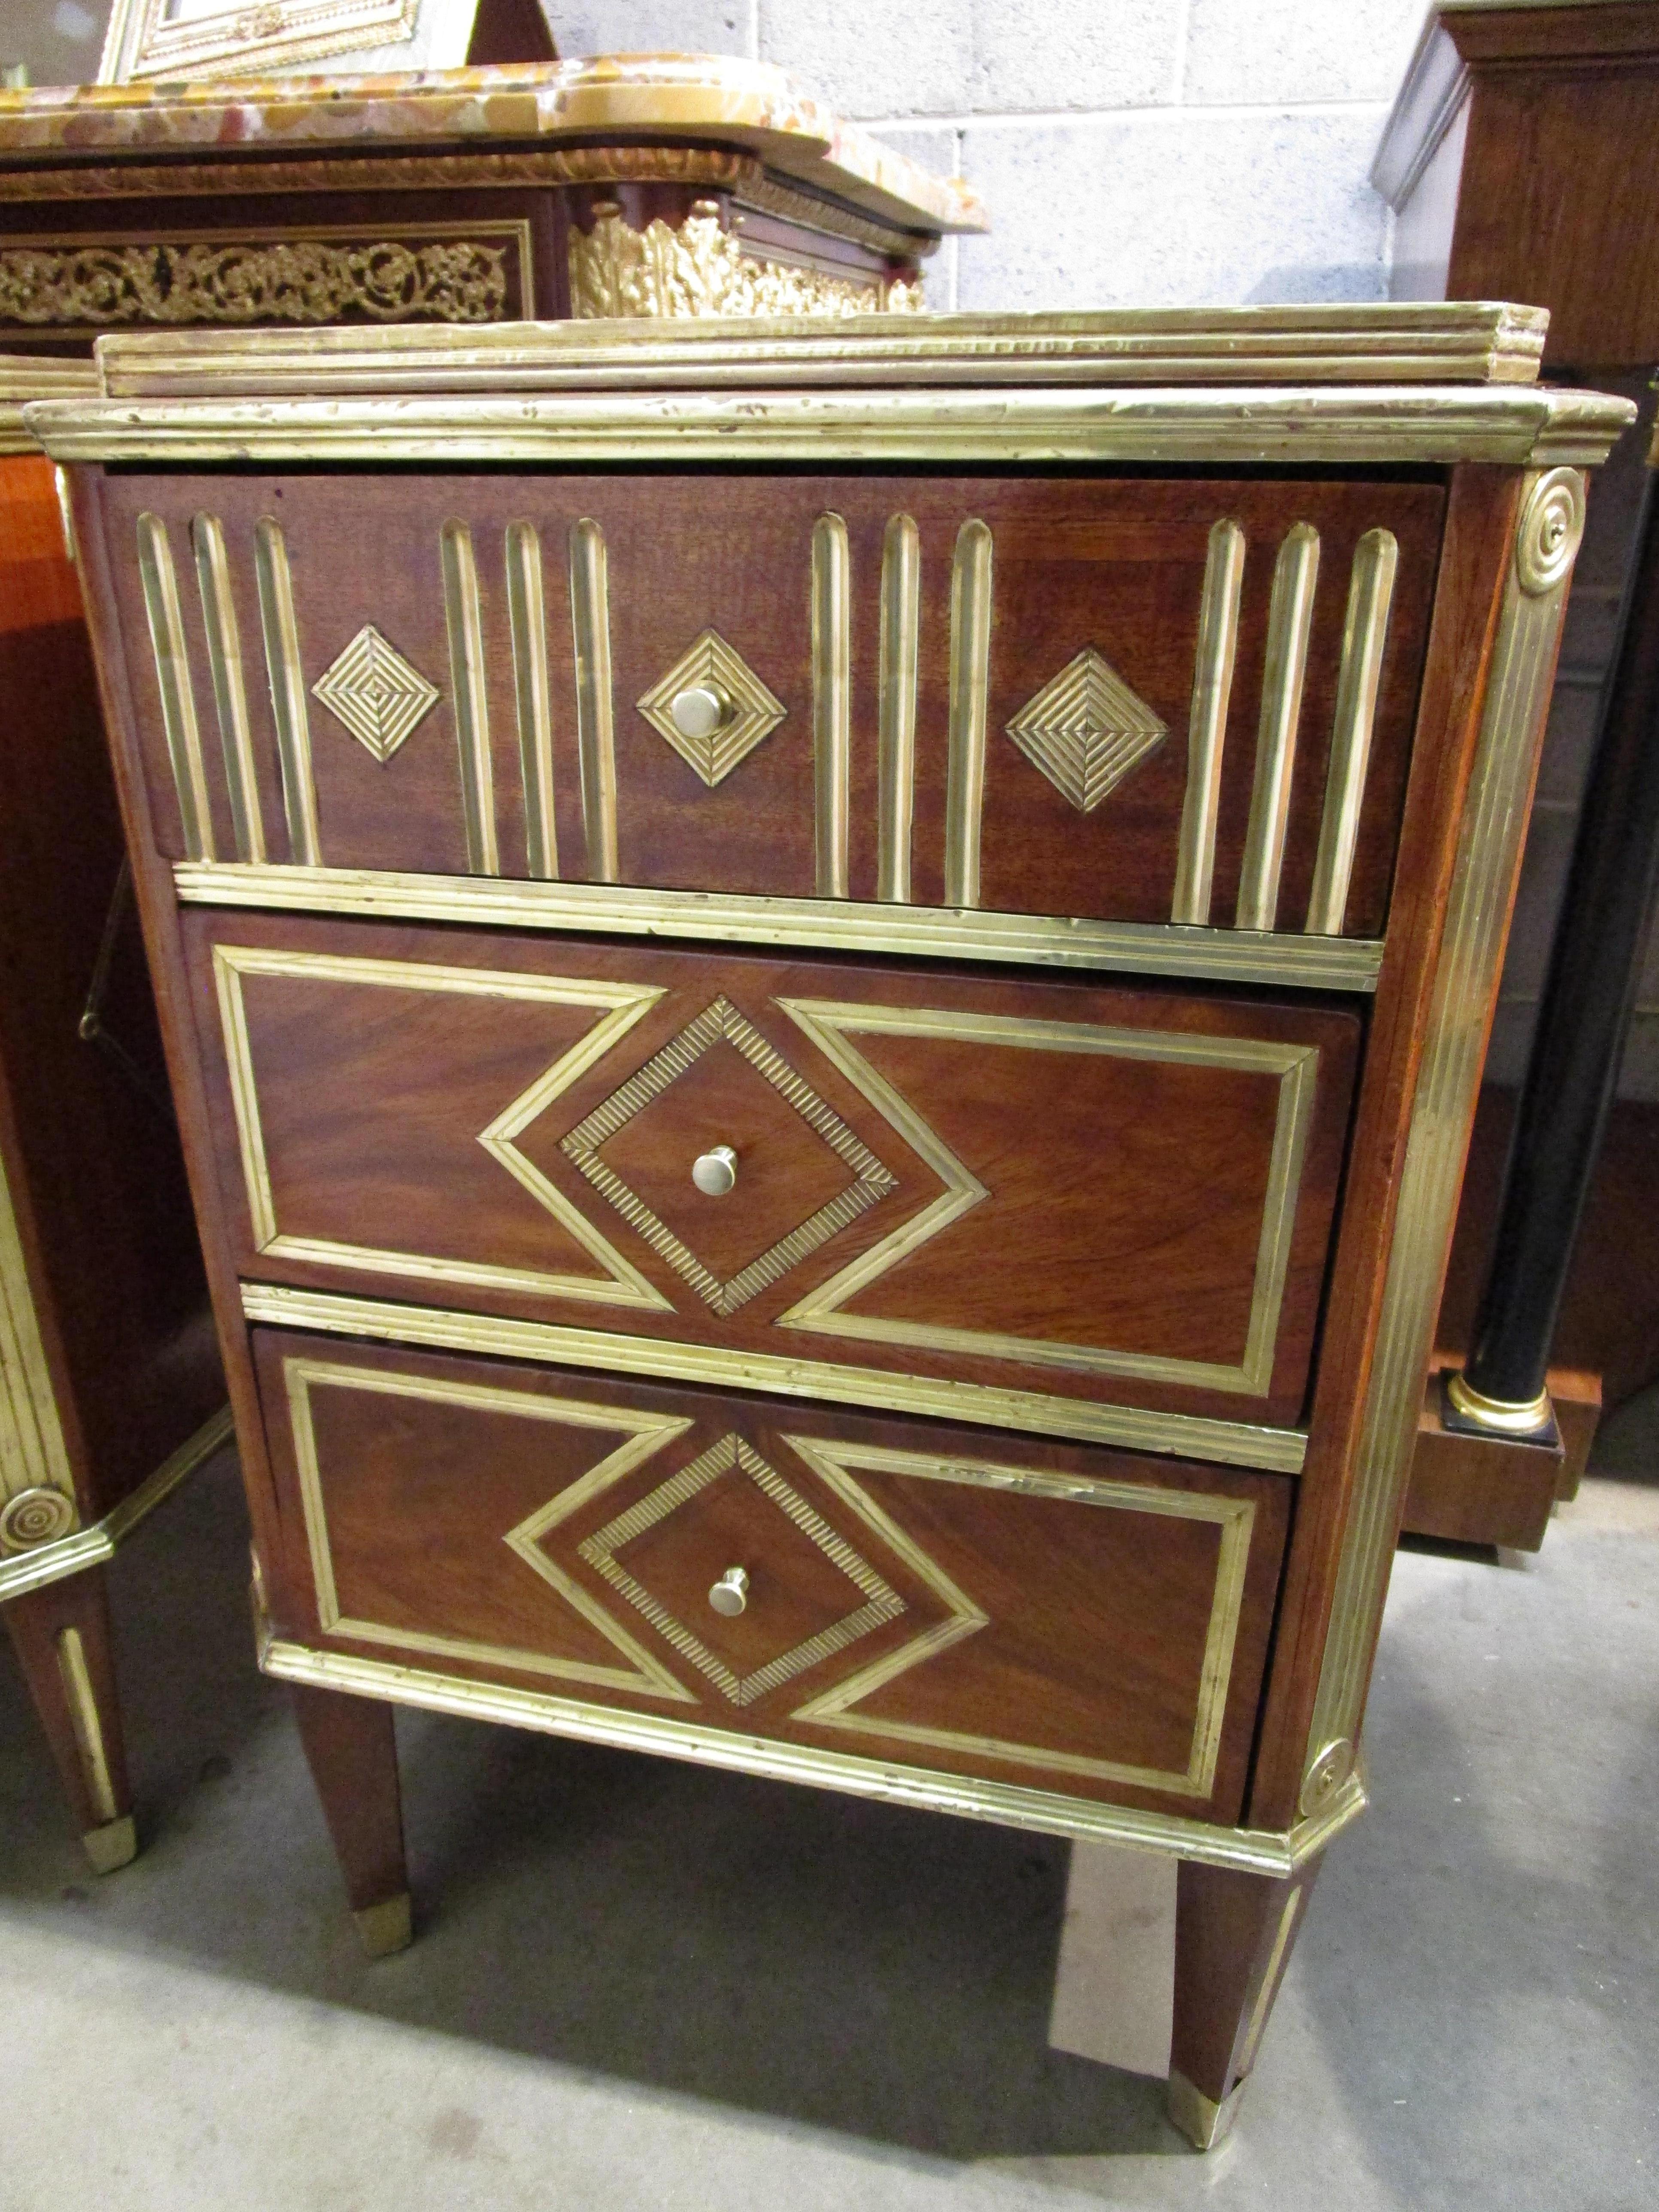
149	40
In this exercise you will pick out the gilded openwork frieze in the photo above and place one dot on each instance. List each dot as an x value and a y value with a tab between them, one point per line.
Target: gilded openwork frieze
700	269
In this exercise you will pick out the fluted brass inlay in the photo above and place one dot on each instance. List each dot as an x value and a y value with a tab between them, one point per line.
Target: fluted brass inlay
1087	729
375	692
722	1022
527	615
752	714
596	741
225	660
465	624
1290	622
1206	728
732	1455
832	701
166	637
1365	634
970	686
901	632
288	692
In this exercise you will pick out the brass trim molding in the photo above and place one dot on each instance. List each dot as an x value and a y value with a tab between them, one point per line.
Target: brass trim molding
160	582
224	645
286	669
1246	426
465	625
1290	623
824	1310
895	689
618	1005
1212	686
22	380
1282	963
34	1457
91	1547
831	627
1489	846
596	747
1364	634
1009	1805
1445	343
527	608
971	688
1187	1435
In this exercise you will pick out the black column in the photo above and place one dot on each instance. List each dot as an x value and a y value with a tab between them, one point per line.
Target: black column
1582	1020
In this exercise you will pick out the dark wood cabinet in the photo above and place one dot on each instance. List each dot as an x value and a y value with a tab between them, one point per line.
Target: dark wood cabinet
894	1250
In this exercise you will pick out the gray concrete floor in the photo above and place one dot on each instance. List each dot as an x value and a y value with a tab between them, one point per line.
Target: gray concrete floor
636	1984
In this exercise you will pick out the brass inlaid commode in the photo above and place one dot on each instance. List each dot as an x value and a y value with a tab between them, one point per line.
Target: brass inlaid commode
826	988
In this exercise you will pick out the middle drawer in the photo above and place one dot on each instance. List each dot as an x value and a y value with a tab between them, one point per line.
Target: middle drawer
1049	1186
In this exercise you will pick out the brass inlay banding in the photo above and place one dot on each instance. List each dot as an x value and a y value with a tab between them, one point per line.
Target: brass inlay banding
1290	622
224	644
1490	837
1090	1420
33	1453
466	628
1213	684
832	703
619	1006
166	637
901	631
287	692
1264	1996
970	687
596	745
1283	961
1365	634
722	1023
527	618
79	1695
824	1310
1235	1517
645	1675
881	1604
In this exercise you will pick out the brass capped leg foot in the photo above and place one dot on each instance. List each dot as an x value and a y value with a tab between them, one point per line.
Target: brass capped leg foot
115	1845
1203	2122
386	1927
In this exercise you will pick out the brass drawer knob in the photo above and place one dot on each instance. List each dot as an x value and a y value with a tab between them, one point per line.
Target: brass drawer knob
730	1594
715	1172
698	711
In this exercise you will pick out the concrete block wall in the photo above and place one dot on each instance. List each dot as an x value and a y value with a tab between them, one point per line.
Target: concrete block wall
1132	152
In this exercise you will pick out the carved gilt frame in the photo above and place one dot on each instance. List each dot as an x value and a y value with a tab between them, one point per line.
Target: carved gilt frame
150	39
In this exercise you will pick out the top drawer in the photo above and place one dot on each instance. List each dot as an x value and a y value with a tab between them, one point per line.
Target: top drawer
1112	698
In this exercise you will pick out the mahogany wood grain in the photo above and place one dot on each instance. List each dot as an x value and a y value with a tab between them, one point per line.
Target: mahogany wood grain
1552	205
35	1622
1473	571
1097	1614
91	1154
351	1749
1234	1936
1125	1194
1112	563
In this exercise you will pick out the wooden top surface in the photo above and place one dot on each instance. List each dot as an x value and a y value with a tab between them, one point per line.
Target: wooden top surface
703	99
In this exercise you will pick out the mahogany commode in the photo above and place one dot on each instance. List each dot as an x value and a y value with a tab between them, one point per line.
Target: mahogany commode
826	989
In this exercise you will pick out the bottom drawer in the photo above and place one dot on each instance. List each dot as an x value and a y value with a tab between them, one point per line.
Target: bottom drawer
996	1609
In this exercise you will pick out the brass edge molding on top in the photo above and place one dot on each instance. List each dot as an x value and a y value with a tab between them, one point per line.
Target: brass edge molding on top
1442	342
1547	532
1529	425
618	1005
824	1310
23	379
645	1434
91	1547
1011	1805
1282	962
832	1460
1186	1436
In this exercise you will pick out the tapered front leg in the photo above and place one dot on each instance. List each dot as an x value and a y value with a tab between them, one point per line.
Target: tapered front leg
61	1635
1234	1932
352	1751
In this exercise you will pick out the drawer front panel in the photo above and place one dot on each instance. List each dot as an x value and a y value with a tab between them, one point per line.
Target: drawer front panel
1093	1193
1116	699
1070	1620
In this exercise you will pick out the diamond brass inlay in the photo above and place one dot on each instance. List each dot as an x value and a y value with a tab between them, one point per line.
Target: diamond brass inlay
722	1021
881	1604
711	664
375	693
1086	730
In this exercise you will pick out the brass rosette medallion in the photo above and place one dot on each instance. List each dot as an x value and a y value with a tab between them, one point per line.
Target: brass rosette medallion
34	1517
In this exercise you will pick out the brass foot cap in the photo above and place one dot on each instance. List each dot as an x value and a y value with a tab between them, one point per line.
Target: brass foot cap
1203	2122
1472	1412
113	1845
386	1926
